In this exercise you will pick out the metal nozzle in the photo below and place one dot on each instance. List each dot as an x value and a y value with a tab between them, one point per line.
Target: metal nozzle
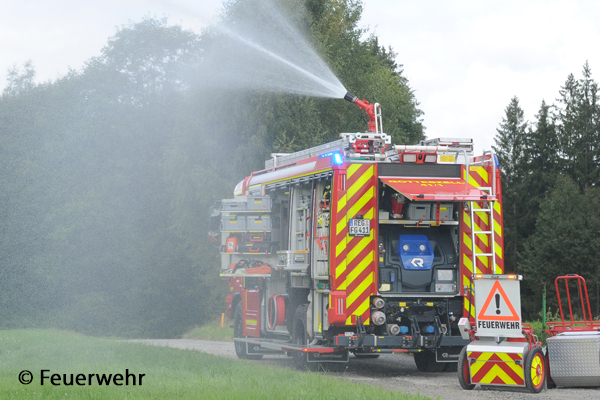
350	97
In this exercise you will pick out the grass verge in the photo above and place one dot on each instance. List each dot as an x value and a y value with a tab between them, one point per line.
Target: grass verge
168	373
212	331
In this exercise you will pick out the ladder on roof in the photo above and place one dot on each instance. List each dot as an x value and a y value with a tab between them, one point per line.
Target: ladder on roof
285	158
485	235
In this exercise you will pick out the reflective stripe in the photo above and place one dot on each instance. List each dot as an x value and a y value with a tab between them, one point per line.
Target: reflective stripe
496	368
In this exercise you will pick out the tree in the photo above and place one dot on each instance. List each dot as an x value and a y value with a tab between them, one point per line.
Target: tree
541	150
18	82
579	128
565	241
510	149
107	173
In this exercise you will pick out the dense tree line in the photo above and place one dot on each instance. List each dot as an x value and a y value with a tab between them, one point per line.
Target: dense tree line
107	173
550	172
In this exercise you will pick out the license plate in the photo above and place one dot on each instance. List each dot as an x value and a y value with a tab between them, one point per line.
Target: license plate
360	227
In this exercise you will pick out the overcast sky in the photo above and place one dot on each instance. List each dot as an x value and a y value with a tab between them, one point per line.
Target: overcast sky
465	60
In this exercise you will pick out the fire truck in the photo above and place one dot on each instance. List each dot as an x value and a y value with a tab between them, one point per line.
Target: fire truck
361	247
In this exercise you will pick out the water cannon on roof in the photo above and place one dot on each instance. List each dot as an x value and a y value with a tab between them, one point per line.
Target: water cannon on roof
372	110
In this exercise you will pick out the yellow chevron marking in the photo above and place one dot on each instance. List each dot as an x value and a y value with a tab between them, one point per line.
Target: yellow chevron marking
361	202
476	366
498	208
469	264
481	172
467	302
498	250
339	270
341	246
360	289
497	228
352	275
341	203
483	237
359	247
352	169
484	217
356	293
467	241
341	215
494	372
340	225
362	308
342	286
511	363
484	259
466	281
356	186
369	214
467	219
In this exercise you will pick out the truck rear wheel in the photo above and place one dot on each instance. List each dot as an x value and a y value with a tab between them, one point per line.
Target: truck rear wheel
451	367
425	362
238	332
300	336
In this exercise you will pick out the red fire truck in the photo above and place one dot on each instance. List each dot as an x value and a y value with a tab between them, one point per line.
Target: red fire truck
360	246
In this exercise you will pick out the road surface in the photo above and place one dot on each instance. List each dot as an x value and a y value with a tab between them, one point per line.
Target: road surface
393	372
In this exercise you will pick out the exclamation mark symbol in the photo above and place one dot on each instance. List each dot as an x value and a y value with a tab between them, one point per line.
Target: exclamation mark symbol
497	303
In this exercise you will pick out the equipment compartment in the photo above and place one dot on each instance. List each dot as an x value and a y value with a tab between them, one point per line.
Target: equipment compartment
233	223
256	247
259	223
446	211
248	237
236	204
259	203
419	211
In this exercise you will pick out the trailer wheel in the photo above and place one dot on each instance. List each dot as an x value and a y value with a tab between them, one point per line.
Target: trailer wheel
464	376
535	370
300	337
238	332
425	362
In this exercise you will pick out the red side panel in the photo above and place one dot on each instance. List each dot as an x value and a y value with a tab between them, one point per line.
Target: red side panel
251	304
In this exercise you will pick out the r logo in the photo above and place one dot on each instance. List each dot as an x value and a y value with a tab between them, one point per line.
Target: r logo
417	262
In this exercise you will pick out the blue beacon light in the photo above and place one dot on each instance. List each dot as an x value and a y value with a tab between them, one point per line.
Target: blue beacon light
336	157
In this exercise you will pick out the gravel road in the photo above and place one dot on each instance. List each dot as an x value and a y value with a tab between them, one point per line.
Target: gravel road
393	372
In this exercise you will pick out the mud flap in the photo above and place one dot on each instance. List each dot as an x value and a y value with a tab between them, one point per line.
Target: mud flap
447	353
256	349
342	357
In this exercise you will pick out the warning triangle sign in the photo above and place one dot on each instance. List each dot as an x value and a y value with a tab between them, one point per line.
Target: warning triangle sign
491	310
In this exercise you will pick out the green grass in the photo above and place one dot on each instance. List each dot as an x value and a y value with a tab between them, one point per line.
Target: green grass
169	373
537	329
212	331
